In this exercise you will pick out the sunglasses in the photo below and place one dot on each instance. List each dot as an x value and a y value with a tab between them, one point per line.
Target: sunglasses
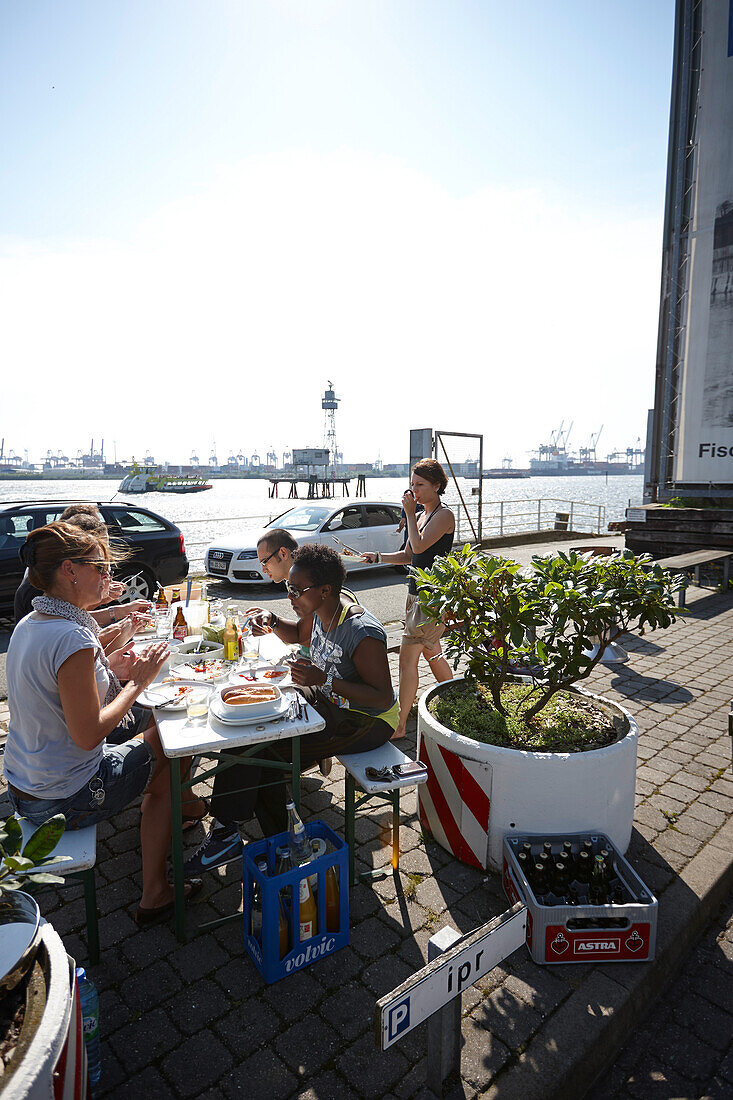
295	593
102	567
264	561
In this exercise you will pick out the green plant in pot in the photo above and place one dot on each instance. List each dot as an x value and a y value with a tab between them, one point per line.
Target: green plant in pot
542	624
18	867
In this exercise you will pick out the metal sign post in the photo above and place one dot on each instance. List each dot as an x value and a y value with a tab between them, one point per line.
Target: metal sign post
457	963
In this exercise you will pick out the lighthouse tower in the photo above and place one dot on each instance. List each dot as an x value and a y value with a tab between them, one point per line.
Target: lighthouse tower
329	404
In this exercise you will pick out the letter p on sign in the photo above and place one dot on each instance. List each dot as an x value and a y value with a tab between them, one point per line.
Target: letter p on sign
399	1019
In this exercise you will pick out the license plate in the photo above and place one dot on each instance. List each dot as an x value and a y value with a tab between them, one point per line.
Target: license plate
217	567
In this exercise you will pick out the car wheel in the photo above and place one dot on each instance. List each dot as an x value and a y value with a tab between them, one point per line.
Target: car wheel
139	585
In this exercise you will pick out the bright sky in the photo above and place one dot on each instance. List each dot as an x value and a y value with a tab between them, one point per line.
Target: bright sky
452	208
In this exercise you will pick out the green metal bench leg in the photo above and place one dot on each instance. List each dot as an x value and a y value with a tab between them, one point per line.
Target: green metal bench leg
90	904
395	828
349	825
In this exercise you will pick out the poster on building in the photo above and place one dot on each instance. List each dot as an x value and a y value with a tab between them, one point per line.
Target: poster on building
704	450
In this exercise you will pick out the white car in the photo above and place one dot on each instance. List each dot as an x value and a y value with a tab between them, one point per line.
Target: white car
368	525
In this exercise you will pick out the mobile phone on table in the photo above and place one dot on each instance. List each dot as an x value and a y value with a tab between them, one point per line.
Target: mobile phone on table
411	768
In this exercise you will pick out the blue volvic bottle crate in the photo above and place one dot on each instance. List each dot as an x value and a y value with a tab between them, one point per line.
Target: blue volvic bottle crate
264	950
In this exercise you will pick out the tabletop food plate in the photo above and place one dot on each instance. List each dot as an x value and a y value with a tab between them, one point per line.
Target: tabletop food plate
158	694
216	707
182	667
263	674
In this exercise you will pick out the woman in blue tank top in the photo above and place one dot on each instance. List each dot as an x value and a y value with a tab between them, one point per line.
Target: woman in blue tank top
429	535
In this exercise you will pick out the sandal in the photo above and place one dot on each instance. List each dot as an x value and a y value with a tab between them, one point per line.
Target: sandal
145	917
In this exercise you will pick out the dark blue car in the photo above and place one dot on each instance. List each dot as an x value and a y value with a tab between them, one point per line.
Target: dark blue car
157	555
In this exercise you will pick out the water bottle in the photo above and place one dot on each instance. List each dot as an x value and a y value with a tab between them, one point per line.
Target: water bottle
89	1002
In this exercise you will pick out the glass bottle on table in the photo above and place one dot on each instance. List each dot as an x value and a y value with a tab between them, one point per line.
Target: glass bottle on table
161	603
180	626
231	640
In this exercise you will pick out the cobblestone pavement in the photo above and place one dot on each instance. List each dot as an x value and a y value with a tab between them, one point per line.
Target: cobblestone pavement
197	1020
684	1048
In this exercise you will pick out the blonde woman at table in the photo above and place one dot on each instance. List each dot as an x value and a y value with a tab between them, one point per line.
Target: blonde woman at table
429	536
64	701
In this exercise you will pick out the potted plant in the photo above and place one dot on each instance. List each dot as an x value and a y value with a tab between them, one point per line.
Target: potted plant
21	934
515	745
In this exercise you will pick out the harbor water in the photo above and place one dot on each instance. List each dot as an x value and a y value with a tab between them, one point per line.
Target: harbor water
236	504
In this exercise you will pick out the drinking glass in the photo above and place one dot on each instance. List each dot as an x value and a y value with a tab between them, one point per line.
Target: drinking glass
162	624
197	704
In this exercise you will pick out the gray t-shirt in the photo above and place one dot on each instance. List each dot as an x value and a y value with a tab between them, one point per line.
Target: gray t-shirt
336	648
40	757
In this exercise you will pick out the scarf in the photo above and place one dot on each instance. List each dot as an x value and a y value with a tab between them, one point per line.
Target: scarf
49	605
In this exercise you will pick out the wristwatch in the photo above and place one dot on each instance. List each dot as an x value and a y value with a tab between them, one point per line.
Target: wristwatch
328	683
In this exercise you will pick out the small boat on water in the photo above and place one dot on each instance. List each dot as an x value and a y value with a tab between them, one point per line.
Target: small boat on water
143	479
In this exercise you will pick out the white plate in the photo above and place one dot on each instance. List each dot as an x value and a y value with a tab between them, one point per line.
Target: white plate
244	677
216	709
158	693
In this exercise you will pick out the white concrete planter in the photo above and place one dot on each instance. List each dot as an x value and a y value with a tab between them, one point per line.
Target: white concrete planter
477	793
57	1031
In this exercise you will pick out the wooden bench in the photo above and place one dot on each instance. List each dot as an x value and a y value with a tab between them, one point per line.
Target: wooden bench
680	563
80	845
356	764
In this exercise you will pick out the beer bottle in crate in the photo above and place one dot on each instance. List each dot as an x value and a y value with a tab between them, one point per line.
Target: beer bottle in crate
598	890
539	886
255	915
567	850
333	907
283	864
584	867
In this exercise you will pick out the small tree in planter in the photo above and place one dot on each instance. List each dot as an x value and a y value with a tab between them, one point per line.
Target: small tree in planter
531	753
543	624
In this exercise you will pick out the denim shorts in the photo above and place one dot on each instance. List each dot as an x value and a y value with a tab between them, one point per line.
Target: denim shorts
124	773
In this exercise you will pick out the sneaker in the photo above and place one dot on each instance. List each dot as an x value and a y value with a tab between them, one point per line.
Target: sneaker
221	845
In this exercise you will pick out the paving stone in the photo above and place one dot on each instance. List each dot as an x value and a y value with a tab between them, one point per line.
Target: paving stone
197	1064
505	1015
482	1055
303	994
372	937
350	1010
369	1074
246	1026
336	970
384	975
308	1045
151	986
144	1040
197	1006
146	1083
201	956
263	1076
709	1024
329	1086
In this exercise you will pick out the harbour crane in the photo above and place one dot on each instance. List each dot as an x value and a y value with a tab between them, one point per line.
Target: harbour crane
588	454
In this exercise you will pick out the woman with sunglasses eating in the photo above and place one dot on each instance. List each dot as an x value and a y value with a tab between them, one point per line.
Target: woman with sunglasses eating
64	701
346	679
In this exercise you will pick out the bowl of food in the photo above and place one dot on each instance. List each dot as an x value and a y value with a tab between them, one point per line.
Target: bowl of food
250	700
198	644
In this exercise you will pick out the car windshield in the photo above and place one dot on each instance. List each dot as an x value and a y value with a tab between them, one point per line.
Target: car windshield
302	519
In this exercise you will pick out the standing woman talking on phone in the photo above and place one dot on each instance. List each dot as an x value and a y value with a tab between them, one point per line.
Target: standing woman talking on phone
429	536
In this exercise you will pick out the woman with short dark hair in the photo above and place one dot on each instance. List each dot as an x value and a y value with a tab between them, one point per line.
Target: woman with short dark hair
347	680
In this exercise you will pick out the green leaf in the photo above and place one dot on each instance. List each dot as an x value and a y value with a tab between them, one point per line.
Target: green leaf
45	838
13	836
44	879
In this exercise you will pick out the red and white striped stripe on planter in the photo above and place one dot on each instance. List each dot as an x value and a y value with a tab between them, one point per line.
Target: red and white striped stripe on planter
454	804
477	793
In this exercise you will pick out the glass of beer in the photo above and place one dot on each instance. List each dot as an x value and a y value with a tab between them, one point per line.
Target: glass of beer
197	704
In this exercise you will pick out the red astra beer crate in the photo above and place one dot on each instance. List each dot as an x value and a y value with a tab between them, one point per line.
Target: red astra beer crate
621	931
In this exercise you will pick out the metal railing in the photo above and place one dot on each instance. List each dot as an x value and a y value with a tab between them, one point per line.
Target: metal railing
499	518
